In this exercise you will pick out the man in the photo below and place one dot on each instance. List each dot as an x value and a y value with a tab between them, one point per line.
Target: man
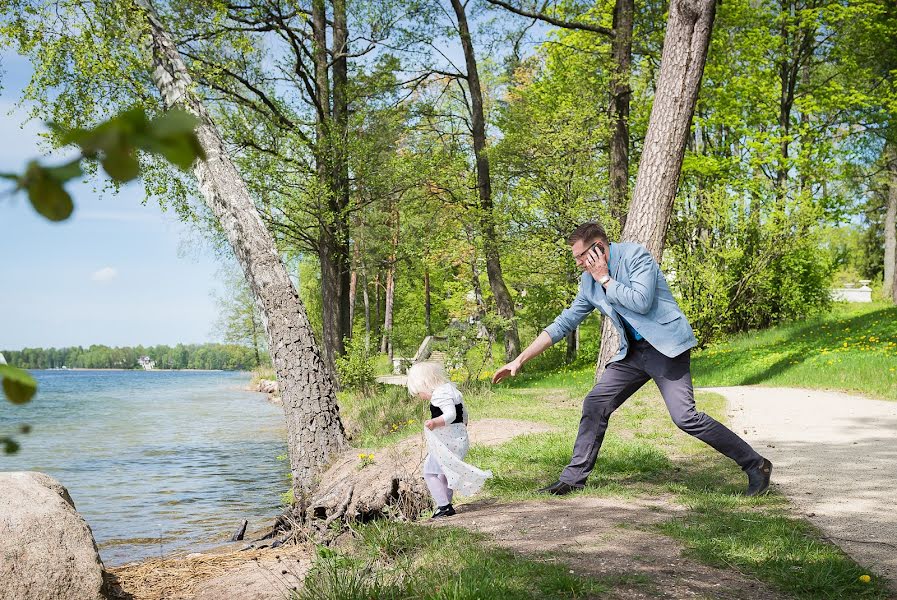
625	283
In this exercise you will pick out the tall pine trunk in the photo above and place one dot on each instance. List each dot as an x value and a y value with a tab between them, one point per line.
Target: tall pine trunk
332	172
621	95
687	37
314	429
503	301
386	341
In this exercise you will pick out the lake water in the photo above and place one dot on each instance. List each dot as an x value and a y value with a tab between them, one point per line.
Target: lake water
157	461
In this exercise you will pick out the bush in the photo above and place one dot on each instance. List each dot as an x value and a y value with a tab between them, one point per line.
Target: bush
356	367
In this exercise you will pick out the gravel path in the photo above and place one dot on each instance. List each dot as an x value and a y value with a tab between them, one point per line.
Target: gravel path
835	456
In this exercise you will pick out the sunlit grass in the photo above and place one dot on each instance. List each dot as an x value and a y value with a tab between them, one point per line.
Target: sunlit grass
645	455
853	348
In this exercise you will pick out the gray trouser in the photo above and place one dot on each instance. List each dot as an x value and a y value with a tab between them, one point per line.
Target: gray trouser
673	377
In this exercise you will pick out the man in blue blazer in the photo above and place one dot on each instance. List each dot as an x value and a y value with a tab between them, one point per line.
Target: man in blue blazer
625	283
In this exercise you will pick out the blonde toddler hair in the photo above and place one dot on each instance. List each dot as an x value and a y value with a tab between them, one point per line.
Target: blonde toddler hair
425	377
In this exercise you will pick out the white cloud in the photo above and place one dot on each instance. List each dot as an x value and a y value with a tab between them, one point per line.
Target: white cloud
105	274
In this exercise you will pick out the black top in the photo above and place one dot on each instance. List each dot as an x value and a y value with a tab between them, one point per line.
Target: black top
435	411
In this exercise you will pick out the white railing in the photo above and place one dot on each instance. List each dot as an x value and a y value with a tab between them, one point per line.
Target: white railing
850	293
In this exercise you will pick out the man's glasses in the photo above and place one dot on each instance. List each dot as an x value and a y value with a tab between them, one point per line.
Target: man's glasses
584	252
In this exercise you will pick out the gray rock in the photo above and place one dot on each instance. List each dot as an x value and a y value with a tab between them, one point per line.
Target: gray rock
46	548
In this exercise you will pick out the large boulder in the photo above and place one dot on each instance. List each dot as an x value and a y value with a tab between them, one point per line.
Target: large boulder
46	549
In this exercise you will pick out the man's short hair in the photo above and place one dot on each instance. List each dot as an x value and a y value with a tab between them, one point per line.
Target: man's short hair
587	232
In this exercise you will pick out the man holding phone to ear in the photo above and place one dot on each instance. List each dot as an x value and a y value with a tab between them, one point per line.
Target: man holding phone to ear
624	282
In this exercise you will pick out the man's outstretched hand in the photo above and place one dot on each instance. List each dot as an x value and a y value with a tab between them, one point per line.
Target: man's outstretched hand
509	370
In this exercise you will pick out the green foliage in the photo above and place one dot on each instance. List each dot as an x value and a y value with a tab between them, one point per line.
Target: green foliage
18	385
734	272
19	388
356	367
470	352
239	317
227	357
114	144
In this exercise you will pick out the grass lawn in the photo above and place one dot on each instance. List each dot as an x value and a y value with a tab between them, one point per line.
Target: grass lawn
853	348
644	455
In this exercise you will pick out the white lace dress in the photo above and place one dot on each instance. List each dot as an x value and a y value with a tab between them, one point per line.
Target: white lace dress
448	446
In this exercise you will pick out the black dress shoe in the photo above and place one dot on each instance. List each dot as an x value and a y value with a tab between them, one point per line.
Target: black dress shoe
559	488
758	479
443	511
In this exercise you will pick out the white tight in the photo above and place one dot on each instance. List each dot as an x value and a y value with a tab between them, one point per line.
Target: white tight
439	489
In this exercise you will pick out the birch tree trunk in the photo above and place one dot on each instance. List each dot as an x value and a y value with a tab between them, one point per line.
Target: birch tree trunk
890	285
314	427
503	301
687	37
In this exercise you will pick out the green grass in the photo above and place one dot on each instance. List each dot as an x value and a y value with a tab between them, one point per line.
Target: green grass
397	561
853	348
387	416
786	552
644	455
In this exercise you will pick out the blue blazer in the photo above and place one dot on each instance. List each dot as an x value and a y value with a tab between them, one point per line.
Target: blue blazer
639	292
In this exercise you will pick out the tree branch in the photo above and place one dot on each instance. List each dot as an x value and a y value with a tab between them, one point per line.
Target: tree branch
539	16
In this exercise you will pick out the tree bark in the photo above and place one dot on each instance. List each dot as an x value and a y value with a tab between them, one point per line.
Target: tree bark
386	340
341	155
367	314
503	301
687	37
890	285
353	287
332	173
427	304
331	292
621	95
314	427
571	339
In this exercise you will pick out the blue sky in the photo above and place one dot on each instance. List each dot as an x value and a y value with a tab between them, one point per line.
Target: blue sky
117	272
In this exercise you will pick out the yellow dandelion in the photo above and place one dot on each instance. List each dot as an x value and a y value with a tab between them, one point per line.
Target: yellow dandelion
865	578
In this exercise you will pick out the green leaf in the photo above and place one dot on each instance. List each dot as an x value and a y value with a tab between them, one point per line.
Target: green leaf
46	193
181	151
172	124
10	446
173	136
121	163
18	385
65	172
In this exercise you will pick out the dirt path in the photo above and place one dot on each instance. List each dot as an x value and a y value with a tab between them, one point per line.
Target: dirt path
611	539
835	457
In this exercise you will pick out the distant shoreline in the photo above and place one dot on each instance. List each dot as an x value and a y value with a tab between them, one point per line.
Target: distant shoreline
145	370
